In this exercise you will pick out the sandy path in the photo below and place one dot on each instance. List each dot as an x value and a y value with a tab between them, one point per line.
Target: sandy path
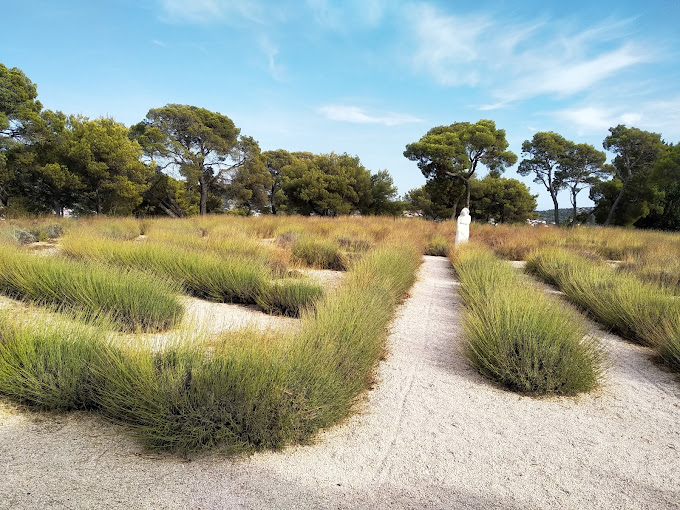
433	435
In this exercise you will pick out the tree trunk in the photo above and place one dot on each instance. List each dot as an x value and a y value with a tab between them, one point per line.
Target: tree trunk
467	193
203	186
610	216
167	210
573	202
553	195
271	199
455	205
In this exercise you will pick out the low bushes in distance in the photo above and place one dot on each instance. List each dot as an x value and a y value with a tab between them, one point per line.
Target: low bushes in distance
438	246
322	254
519	337
642	312
288	296
235	279
131	301
632	308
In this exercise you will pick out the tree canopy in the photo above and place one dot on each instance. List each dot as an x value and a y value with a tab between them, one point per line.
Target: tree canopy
199	144
582	166
636	153
545	152
454	152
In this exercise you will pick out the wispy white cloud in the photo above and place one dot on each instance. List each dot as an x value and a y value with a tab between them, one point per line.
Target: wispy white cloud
276	70
158	42
358	115
520	60
211	11
447	44
659	116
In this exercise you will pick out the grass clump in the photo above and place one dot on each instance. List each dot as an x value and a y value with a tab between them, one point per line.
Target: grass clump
51	365
437	246
203	275
131	301
289	296
632	308
186	399
322	254
236	279
252	391
519	337
641	312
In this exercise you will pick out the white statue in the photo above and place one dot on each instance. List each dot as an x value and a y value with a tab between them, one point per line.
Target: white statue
463	227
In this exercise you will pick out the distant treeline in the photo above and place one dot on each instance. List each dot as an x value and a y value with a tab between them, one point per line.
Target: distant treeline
182	160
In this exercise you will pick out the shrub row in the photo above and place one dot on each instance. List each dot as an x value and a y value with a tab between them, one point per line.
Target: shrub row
131	301
639	311
518	336
234	279
248	392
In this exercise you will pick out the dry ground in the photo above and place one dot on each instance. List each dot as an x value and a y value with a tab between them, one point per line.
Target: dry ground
432	434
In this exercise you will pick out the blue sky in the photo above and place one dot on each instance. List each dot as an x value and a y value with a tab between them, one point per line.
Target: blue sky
360	76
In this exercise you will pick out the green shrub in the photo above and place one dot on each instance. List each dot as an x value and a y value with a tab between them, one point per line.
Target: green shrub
237	279
251	391
54	231
353	244
340	343
634	309
187	399
319	253
130	300
289	297
51	365
519	337
25	236
438	246
670	348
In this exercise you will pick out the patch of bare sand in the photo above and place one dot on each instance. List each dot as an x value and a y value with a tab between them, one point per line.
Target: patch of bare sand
433	434
328	278
44	248
218	317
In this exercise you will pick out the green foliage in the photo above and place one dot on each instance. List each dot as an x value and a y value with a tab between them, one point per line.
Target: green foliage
641	312
670	348
289	297
19	106
503	200
132	301
326	184
581	167
666	173
334	356
545	152
52	365
637	200
438	199
437	246
455	151
384	196
107	163
519	337
322	254
232	278
250	187
636	153
200	144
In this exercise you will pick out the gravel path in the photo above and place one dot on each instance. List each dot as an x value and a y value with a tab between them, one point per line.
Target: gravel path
432	434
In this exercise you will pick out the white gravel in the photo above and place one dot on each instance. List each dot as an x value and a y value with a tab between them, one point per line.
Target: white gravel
432	434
